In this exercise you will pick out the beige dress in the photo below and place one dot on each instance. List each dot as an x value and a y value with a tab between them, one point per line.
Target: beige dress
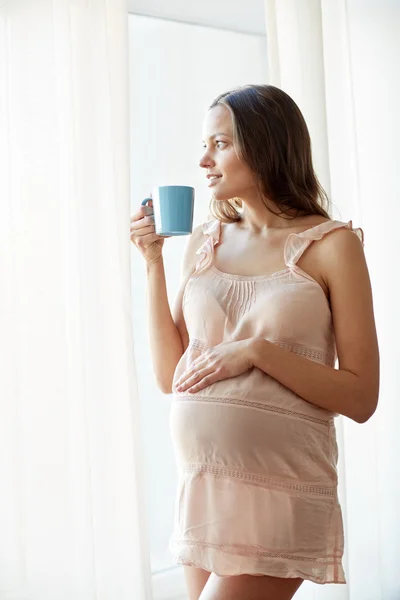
257	487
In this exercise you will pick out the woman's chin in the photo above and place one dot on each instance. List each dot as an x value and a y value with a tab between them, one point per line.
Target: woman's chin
220	196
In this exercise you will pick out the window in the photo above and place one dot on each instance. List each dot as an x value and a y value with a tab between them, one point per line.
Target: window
176	70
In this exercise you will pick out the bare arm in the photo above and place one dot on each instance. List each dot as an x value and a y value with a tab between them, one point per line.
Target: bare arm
168	333
353	389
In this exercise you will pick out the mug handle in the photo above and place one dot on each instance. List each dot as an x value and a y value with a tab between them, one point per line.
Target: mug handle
149	209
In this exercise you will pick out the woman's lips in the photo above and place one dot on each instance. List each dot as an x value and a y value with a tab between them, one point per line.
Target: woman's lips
214	180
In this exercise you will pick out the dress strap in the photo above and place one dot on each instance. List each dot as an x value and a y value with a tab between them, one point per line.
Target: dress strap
212	231
297	243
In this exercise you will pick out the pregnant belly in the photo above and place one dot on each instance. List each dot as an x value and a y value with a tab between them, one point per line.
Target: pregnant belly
242	437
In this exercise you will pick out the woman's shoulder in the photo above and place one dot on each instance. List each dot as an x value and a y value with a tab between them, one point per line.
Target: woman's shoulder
334	238
318	229
340	248
345	243
344	234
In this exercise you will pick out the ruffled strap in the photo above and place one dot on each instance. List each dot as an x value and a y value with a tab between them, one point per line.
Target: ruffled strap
297	243
212	231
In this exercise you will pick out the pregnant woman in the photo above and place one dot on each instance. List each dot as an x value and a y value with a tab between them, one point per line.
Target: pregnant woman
273	293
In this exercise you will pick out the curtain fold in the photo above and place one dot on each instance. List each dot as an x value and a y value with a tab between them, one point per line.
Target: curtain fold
296	64
71	504
338	60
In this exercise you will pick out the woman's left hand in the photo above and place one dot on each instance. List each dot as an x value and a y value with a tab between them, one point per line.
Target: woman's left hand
226	360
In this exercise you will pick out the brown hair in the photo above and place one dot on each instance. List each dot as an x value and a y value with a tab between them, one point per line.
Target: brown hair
271	136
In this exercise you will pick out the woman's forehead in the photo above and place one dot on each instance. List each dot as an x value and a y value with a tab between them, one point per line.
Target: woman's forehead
217	120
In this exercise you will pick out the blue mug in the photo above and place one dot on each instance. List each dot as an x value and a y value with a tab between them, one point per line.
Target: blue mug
173	207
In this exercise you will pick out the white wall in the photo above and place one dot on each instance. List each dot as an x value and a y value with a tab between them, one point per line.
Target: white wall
246	16
175	72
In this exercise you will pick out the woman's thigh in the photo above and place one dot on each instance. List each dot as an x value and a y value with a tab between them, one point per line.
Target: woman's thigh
196	579
249	587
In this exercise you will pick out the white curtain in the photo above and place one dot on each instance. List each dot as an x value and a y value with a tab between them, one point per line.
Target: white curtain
339	61
72	523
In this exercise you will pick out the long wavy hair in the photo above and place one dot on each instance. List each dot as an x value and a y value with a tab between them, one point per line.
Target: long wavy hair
271	136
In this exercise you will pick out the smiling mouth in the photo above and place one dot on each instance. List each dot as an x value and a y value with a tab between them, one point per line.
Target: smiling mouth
213	179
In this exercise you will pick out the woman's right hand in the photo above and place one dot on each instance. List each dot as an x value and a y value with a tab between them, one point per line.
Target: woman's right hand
144	237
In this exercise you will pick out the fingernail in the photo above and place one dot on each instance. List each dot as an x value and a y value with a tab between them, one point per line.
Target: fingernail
148	211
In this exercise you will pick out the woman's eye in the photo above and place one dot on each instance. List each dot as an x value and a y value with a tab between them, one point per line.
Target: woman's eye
218	143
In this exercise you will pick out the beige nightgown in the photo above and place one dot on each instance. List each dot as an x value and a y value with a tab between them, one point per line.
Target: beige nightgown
257	464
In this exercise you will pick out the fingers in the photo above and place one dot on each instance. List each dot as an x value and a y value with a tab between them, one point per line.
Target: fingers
148	207
144	223
141	239
188	379
200	364
145	240
148	210
205	382
142	227
199	381
142	212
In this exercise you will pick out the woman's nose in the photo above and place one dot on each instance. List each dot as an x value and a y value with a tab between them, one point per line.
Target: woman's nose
206	161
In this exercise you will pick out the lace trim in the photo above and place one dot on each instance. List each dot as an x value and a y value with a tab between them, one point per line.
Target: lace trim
198	344
260	480
327	358
252	404
243	550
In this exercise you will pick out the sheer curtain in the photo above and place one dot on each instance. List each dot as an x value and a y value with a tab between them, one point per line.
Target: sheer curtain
339	60
71	507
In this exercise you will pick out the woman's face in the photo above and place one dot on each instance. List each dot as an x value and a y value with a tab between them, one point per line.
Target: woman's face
228	176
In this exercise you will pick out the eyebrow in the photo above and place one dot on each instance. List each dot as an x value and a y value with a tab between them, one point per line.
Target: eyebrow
214	135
